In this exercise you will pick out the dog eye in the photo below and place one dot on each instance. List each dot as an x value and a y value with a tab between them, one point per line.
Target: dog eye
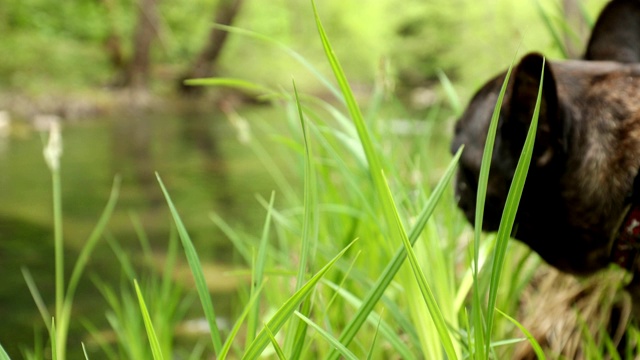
457	128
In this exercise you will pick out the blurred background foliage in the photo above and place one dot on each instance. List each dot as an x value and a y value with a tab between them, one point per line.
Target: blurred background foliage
69	45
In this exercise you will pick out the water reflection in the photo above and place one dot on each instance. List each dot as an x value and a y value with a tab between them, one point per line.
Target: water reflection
200	160
132	152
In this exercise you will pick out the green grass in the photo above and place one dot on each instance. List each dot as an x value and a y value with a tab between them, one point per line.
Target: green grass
368	259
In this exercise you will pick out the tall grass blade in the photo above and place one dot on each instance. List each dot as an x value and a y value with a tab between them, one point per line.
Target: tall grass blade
52	153
389	332
295	55
375	337
532	340
148	325
226	347
352	106
84	351
483	180
83	258
196	270
390	271
557	39
611	349
143	239
467	280
89	245
233	236
427	294
295	339
37	298
3	354
231	83
286	310
275	344
54	341
335	343
258	273
451	93
510	209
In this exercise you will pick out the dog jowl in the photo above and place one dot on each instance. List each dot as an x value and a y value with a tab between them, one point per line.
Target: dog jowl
587	148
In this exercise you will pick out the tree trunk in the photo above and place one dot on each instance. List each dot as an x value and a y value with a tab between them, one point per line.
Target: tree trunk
113	46
139	68
205	62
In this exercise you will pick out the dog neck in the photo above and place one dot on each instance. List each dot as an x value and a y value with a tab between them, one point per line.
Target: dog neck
626	241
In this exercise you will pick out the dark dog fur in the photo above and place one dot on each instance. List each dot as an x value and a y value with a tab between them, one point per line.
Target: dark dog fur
616	34
587	149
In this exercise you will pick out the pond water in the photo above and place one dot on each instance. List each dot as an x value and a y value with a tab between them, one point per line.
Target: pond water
201	160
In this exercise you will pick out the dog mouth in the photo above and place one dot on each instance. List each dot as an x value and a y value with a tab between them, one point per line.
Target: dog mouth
466	198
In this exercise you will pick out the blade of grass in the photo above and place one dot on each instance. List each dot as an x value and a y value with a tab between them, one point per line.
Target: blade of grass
389	332
84	351
300	330
466	283
425	289
85	254
287	309
226	347
375	337
301	59
551	29
196	270
611	348
99	339
3	354
228	82
95	235
37	298
588	342
143	239
294	340
275	344
52	153
390	271
54	340
258	273
509	212
483	180
534	343
352	105
333	341
151	333
451	93
233	236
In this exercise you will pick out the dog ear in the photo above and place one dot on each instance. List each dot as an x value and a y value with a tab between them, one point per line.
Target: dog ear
616	34
521	106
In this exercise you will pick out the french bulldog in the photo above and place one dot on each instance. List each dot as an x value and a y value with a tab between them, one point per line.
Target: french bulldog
582	188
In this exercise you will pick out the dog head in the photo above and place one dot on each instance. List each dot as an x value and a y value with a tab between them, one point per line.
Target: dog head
586	152
514	119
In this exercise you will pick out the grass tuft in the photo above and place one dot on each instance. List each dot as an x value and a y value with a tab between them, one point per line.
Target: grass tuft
196	271
151	332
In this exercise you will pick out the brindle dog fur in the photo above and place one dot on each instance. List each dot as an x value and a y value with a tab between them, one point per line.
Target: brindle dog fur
587	147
